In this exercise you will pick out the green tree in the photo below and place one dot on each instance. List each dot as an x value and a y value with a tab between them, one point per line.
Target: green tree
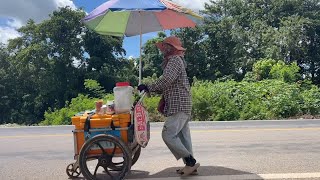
94	88
104	62
6	85
48	64
253	29
152	57
62	33
223	31
195	41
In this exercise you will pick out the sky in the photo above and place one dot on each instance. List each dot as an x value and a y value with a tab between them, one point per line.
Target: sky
15	13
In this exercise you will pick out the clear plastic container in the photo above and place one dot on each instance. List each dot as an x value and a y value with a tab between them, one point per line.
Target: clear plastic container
123	97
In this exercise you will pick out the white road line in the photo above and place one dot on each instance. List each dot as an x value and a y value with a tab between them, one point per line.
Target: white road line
244	177
291	175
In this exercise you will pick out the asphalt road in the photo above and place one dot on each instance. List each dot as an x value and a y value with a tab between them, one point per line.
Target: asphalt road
287	149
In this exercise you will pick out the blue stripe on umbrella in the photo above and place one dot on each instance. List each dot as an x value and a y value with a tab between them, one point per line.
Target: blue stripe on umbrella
137	5
126	5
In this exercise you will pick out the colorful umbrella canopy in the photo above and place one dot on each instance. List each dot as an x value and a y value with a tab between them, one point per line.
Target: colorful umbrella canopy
136	17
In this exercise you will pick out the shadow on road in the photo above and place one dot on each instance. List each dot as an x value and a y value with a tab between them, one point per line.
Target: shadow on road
171	172
203	171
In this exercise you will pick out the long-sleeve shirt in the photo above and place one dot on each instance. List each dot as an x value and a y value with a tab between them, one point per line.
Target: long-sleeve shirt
174	86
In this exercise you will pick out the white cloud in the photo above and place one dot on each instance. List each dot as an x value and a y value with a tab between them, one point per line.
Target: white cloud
18	12
192	4
7	33
64	3
14	23
23	10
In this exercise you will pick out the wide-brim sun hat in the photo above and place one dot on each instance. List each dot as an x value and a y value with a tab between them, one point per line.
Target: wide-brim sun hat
173	41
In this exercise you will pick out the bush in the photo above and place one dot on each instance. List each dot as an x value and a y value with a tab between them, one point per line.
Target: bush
272	69
284	99
262	68
151	104
311	101
221	101
201	104
287	73
78	104
213	101
267	99
254	110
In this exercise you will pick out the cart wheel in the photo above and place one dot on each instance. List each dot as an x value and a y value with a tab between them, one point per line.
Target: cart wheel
71	172
135	157
104	151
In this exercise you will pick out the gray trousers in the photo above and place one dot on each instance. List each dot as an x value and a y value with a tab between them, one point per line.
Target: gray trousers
176	135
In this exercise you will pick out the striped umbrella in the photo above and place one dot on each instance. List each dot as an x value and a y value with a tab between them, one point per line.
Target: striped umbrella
136	17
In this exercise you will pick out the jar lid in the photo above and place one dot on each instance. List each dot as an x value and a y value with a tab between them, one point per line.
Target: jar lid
119	84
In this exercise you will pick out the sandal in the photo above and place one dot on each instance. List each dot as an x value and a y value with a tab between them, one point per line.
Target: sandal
180	171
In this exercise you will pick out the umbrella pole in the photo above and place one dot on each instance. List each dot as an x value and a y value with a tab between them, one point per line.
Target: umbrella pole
140	62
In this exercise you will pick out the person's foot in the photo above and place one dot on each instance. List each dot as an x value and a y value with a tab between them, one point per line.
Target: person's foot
189	170
180	171
191	166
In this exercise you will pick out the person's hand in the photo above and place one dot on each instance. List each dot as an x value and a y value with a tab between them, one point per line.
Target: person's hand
143	87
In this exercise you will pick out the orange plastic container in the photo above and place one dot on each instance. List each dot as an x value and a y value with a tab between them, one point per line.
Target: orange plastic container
122	116
96	121
78	141
102	116
122	121
76	122
118	119
83	119
99	121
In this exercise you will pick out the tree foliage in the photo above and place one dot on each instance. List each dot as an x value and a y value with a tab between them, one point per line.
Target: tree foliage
152	58
48	64
249	59
238	33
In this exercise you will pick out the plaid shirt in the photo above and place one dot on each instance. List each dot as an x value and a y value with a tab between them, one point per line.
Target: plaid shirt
174	86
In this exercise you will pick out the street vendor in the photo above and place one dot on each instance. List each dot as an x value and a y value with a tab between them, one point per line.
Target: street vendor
176	103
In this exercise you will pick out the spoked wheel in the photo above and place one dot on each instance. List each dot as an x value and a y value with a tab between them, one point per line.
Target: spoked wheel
118	166
136	155
73	172
99	156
